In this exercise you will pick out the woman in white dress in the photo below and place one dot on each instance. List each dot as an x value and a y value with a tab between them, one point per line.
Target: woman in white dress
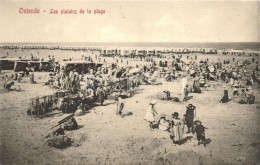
150	114
163	123
177	129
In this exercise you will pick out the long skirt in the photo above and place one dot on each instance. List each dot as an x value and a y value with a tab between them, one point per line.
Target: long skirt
177	133
150	117
189	121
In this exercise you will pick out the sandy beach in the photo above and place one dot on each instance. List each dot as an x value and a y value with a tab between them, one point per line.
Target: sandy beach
232	130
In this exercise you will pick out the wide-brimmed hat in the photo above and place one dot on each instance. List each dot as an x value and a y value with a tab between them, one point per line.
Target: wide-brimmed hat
196	122
189	105
163	115
175	114
249	88
153	102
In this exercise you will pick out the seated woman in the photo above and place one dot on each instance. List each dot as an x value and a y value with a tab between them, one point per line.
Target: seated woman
196	87
202	82
212	76
236	84
89	95
235	96
243	98
163	124
225	98
248	82
8	85
250	96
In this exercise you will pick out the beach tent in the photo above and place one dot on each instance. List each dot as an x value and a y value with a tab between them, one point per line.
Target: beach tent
8	63
37	65
79	66
20	66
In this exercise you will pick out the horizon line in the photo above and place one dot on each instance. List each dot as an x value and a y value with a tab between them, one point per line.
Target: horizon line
135	42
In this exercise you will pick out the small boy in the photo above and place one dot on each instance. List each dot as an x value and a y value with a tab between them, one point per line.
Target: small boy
200	132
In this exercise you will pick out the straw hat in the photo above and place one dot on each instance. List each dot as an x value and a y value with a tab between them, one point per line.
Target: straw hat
163	115
153	102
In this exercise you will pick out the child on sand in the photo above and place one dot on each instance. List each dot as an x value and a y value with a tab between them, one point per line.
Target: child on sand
199	129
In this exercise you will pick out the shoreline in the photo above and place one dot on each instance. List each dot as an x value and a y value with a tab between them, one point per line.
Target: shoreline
220	46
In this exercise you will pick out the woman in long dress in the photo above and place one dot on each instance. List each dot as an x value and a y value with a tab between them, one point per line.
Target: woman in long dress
150	114
100	95
177	129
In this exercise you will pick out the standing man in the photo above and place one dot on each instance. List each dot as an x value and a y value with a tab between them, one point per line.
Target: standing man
120	107
186	92
189	117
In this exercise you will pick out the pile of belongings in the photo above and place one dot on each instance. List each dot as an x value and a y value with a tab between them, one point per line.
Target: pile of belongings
58	138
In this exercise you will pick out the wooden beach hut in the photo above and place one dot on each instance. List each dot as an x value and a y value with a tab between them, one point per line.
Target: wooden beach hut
7	63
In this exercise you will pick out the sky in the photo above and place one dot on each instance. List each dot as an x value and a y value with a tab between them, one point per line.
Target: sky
131	21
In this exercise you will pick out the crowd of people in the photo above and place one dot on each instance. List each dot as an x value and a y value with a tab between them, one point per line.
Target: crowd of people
95	84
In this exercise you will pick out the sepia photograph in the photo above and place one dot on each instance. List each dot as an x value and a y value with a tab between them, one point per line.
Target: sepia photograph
138	82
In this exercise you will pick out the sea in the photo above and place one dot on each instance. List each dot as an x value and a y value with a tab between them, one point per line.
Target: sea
246	46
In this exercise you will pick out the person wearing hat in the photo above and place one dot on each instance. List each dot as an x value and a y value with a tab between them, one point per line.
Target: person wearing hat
202	82
31	75
163	124
250	98
225	98
89	95
177	130
168	76
100	93
150	114
120	106
196	86
235	96
186	93
189	117
199	129
243	98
